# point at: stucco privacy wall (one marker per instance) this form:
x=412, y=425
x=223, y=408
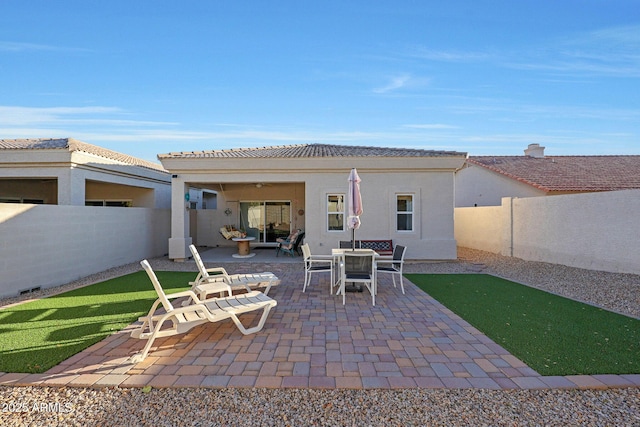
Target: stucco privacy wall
x=49, y=245
x=597, y=231
x=480, y=228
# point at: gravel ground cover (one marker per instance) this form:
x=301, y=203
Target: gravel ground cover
x=51, y=406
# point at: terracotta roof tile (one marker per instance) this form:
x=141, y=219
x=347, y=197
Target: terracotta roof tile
x=71, y=145
x=312, y=150
x=567, y=173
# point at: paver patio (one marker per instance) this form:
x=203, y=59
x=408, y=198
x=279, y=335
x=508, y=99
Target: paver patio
x=311, y=340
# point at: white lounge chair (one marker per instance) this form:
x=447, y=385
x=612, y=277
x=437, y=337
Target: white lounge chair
x=217, y=280
x=174, y=321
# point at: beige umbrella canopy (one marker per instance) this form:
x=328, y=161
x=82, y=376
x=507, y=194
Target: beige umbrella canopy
x=355, y=205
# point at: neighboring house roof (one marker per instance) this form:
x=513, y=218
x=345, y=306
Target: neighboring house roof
x=312, y=150
x=71, y=145
x=567, y=173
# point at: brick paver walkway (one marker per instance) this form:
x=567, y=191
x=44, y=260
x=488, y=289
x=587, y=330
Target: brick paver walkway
x=312, y=340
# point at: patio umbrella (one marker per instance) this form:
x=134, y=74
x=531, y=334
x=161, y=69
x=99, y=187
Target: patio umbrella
x=355, y=205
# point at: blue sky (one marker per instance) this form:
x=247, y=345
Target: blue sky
x=483, y=77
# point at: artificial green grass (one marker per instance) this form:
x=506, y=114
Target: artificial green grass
x=551, y=334
x=38, y=335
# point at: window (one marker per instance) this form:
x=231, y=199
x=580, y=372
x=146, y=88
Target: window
x=266, y=220
x=111, y=203
x=335, y=212
x=404, y=212
x=28, y=201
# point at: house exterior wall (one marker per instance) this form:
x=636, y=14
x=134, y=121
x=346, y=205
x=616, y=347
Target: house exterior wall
x=139, y=196
x=72, y=171
x=478, y=186
x=430, y=180
x=211, y=220
x=39, y=189
x=49, y=245
x=596, y=231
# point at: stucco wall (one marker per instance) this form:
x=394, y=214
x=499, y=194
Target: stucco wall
x=48, y=245
x=480, y=228
x=145, y=187
x=432, y=236
x=477, y=186
x=597, y=231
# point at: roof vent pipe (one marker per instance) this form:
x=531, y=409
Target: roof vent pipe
x=534, y=150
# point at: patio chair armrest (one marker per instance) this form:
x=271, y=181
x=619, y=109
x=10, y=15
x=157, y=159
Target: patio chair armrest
x=322, y=257
x=211, y=287
x=218, y=271
x=189, y=293
x=388, y=261
x=314, y=260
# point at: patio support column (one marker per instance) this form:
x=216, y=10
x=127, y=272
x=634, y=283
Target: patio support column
x=180, y=239
x=71, y=187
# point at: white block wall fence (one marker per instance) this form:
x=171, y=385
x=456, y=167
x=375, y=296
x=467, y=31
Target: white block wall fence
x=596, y=231
x=48, y=245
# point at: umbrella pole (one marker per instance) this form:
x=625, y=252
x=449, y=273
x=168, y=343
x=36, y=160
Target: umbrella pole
x=353, y=239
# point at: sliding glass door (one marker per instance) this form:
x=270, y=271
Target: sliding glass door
x=266, y=220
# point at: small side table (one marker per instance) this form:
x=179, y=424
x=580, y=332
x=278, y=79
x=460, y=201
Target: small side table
x=244, y=251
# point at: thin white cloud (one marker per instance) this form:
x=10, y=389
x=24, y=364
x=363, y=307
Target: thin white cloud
x=449, y=139
x=430, y=126
x=612, y=52
x=395, y=83
x=94, y=115
x=8, y=46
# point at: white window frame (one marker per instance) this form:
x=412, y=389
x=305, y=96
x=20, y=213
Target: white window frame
x=328, y=213
x=127, y=202
x=411, y=212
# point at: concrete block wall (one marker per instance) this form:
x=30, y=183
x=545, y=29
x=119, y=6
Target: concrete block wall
x=597, y=231
x=49, y=245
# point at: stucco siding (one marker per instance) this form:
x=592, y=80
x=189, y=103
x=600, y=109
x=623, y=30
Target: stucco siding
x=476, y=186
x=480, y=228
x=597, y=231
x=48, y=245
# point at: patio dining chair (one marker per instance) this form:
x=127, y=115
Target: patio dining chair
x=164, y=319
x=358, y=267
x=316, y=264
x=393, y=265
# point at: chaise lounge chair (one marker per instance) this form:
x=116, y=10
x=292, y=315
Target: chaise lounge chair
x=217, y=280
x=174, y=321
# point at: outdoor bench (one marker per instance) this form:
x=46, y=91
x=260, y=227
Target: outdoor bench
x=383, y=247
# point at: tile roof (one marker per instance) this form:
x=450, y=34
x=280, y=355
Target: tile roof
x=313, y=150
x=567, y=173
x=72, y=145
